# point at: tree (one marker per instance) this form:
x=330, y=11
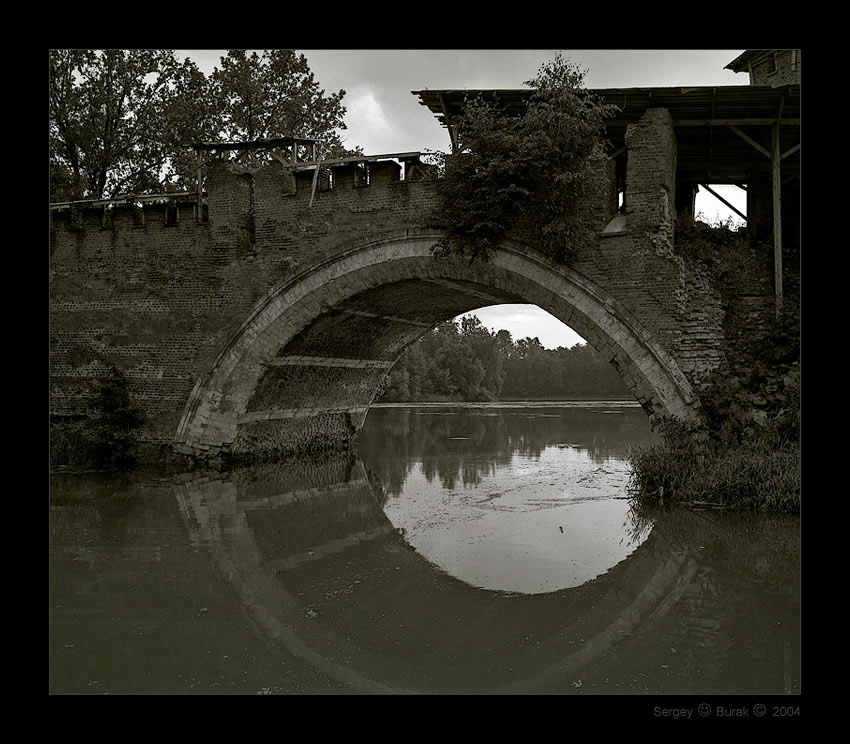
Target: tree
x=463, y=360
x=525, y=170
x=110, y=130
x=274, y=95
x=118, y=420
x=121, y=120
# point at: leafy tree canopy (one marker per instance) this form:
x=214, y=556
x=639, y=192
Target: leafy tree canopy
x=464, y=360
x=120, y=120
x=275, y=94
x=525, y=171
x=108, y=130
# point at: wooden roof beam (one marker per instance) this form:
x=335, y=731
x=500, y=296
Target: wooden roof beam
x=306, y=164
x=726, y=180
x=449, y=125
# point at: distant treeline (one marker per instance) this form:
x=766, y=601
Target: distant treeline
x=464, y=361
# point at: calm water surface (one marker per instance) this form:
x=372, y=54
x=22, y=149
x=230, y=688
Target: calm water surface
x=460, y=550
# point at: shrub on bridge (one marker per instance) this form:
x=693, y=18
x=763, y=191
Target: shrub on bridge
x=525, y=171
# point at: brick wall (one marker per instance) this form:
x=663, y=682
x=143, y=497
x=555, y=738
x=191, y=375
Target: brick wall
x=160, y=300
x=780, y=68
x=166, y=299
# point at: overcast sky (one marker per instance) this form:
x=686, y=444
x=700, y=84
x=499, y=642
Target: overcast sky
x=383, y=116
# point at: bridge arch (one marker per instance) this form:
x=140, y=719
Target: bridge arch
x=304, y=367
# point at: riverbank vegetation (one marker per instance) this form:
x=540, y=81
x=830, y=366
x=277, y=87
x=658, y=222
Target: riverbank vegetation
x=744, y=451
x=462, y=360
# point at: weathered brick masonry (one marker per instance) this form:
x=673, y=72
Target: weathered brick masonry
x=271, y=327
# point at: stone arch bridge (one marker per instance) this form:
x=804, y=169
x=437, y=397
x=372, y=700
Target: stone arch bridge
x=266, y=319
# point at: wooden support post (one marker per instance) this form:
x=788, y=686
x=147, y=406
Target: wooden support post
x=315, y=182
x=451, y=127
x=776, y=166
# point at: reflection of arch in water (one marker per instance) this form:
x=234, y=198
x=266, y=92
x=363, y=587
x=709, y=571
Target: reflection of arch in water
x=306, y=365
x=406, y=626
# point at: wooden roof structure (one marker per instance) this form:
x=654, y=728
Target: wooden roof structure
x=724, y=134
x=260, y=144
x=721, y=131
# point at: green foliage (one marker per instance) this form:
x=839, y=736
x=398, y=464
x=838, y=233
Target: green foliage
x=724, y=246
x=525, y=170
x=757, y=402
x=120, y=119
x=687, y=464
x=274, y=94
x=117, y=421
x=105, y=440
x=464, y=361
x=108, y=127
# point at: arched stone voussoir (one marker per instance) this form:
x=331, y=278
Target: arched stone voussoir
x=302, y=370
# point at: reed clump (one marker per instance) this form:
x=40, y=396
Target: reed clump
x=687, y=465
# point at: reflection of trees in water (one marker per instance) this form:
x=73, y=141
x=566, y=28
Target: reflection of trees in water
x=458, y=445
x=454, y=447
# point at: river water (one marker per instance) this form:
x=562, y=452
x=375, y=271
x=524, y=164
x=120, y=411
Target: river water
x=461, y=549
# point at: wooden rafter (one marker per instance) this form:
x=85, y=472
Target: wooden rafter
x=315, y=181
x=451, y=127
